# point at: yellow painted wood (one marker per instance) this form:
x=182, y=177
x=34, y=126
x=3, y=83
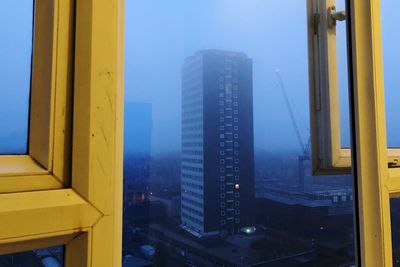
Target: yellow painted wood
x=98, y=121
x=26, y=183
x=18, y=165
x=52, y=84
x=64, y=90
x=96, y=124
x=77, y=47
x=324, y=93
x=78, y=252
x=370, y=134
x=393, y=155
x=393, y=183
x=43, y=82
x=24, y=216
x=342, y=160
x=100, y=234
x=332, y=84
x=328, y=156
x=32, y=244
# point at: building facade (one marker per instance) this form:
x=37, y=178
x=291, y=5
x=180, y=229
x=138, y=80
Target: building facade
x=217, y=169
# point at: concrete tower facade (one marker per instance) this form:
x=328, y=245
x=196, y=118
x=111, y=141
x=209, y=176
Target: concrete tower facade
x=217, y=169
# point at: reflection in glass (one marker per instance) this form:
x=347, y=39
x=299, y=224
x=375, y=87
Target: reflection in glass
x=47, y=257
x=395, y=224
x=217, y=164
x=391, y=59
x=343, y=82
x=16, y=19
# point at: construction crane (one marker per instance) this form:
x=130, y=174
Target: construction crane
x=305, y=148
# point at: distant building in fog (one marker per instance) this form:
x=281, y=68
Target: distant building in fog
x=217, y=169
x=171, y=202
x=137, y=142
x=138, y=126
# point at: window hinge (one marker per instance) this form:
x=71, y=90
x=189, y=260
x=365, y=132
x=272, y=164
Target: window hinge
x=334, y=16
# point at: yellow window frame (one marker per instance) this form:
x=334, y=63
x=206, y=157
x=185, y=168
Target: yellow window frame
x=68, y=189
x=46, y=166
x=328, y=156
x=376, y=181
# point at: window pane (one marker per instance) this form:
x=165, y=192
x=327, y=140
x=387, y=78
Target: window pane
x=48, y=257
x=16, y=19
x=395, y=221
x=391, y=59
x=217, y=164
x=343, y=82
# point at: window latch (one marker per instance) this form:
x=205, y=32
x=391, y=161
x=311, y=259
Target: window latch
x=334, y=16
x=394, y=163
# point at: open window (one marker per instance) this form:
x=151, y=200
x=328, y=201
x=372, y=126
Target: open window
x=330, y=154
x=373, y=162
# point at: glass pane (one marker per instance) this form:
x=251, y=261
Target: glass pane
x=343, y=82
x=217, y=166
x=16, y=20
x=391, y=58
x=48, y=257
x=395, y=221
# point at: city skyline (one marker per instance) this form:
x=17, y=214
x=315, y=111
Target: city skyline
x=213, y=173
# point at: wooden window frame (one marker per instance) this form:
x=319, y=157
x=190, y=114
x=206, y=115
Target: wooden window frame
x=85, y=213
x=68, y=189
x=376, y=181
x=47, y=165
x=328, y=155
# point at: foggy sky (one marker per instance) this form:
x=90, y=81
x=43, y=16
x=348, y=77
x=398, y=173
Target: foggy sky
x=15, y=64
x=160, y=34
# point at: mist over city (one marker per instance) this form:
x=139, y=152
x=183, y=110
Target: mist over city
x=217, y=168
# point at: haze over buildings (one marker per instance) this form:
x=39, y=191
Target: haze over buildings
x=137, y=142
